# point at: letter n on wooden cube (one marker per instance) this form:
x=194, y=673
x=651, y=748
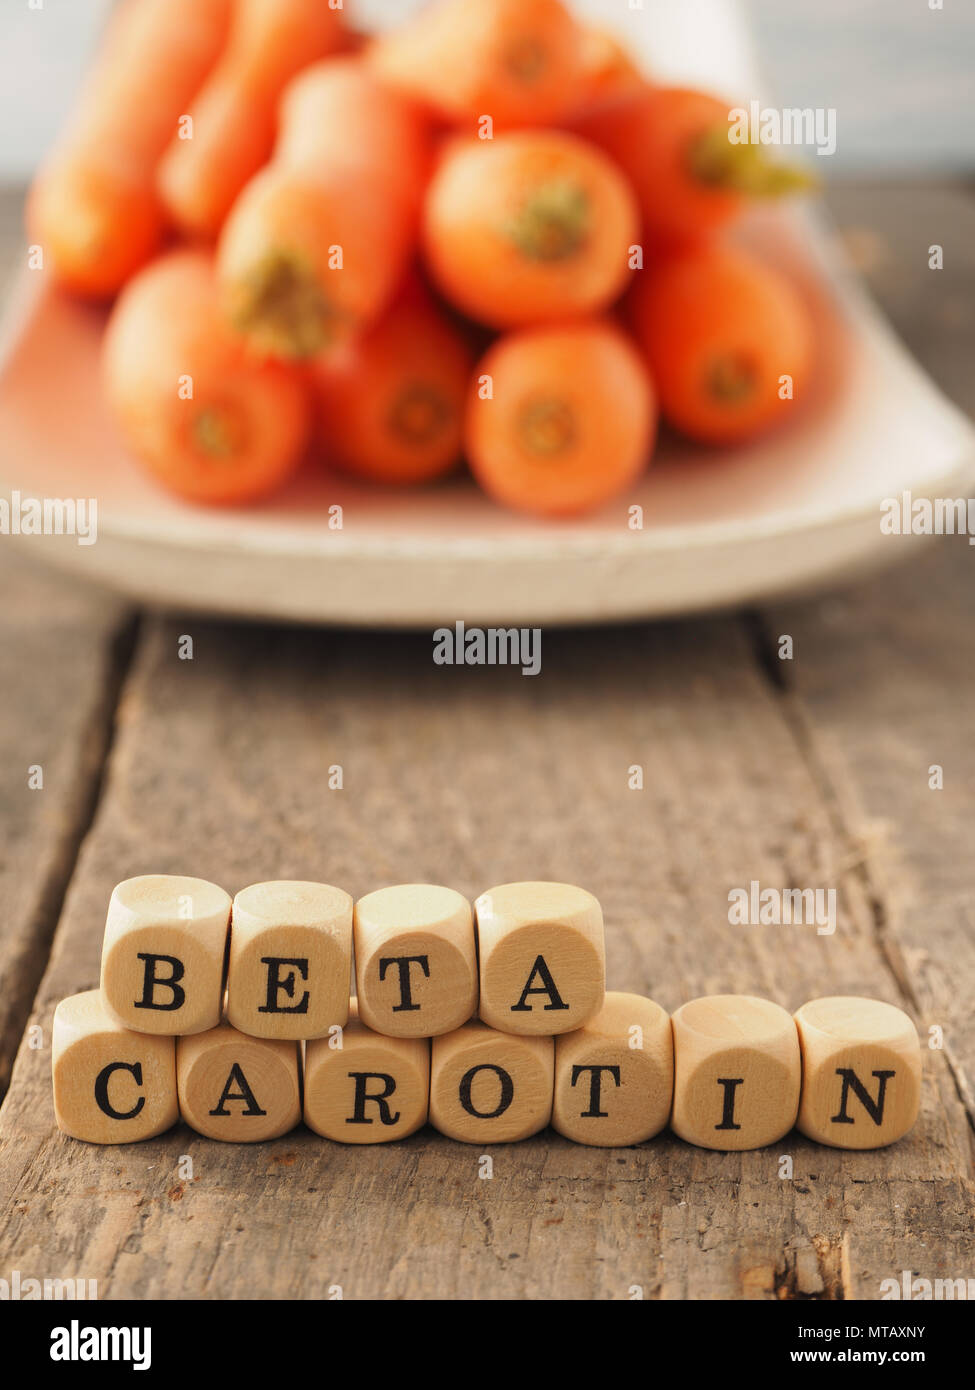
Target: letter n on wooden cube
x=239, y=1089
x=363, y=1088
x=488, y=1087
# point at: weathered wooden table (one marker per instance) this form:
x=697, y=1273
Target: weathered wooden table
x=813, y=772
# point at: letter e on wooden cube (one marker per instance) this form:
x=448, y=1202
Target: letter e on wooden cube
x=236, y=1088
x=368, y=1091
x=488, y=1087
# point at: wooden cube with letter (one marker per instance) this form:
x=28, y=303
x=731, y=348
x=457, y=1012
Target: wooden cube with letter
x=236, y=1088
x=488, y=1087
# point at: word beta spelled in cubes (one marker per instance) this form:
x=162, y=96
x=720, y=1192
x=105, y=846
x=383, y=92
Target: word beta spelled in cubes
x=489, y=1024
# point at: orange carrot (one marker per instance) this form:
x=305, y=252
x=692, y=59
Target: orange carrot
x=517, y=61
x=721, y=331
x=609, y=74
x=569, y=422
x=529, y=226
x=206, y=421
x=235, y=112
x=673, y=145
x=317, y=243
x=391, y=407
x=93, y=208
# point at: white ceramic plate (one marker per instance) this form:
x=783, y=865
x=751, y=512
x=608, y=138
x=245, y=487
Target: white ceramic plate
x=720, y=528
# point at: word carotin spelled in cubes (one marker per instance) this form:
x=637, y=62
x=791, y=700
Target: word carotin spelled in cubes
x=237, y=1088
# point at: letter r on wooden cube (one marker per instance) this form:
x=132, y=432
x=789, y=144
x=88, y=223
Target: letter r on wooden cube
x=290, y=959
x=369, y=1090
x=239, y=1089
x=542, y=957
x=737, y=1072
x=861, y=1064
x=416, y=967
x=488, y=1087
x=163, y=954
x=111, y=1086
x=614, y=1077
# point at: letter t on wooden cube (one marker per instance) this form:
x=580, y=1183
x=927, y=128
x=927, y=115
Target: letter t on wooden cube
x=163, y=954
x=416, y=967
x=861, y=1064
x=737, y=1072
x=111, y=1086
x=290, y=960
x=542, y=957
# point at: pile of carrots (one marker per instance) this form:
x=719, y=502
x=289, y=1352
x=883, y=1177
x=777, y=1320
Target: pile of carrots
x=484, y=236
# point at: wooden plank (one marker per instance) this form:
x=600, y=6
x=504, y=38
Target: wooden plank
x=471, y=776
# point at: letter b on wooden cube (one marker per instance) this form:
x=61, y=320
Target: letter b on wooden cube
x=488, y=1087
x=737, y=1072
x=162, y=958
x=861, y=1064
x=542, y=956
x=111, y=1086
x=239, y=1089
x=369, y=1090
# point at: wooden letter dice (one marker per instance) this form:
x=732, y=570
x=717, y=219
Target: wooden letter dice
x=290, y=960
x=370, y=1090
x=162, y=958
x=111, y=1086
x=416, y=967
x=861, y=1063
x=488, y=1087
x=542, y=957
x=237, y=1088
x=737, y=1072
x=614, y=1077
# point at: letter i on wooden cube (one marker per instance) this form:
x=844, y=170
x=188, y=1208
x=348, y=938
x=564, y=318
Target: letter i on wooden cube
x=614, y=1077
x=861, y=1063
x=163, y=954
x=416, y=966
x=290, y=960
x=111, y=1086
x=488, y=1087
x=542, y=957
x=236, y=1088
x=737, y=1072
x=364, y=1088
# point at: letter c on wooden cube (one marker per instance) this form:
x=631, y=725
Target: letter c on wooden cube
x=239, y=1089
x=111, y=1086
x=162, y=957
x=737, y=1072
x=542, y=957
x=488, y=1087
x=290, y=959
x=368, y=1091
x=861, y=1064
x=416, y=967
x=614, y=1077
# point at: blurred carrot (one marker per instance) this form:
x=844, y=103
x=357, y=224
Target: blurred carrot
x=517, y=61
x=609, y=74
x=391, y=407
x=93, y=207
x=235, y=112
x=529, y=226
x=210, y=424
x=691, y=179
x=317, y=242
x=569, y=422
x=720, y=331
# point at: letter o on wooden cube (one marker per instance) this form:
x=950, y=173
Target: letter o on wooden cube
x=737, y=1072
x=614, y=1077
x=416, y=967
x=163, y=954
x=861, y=1063
x=369, y=1091
x=239, y=1089
x=488, y=1087
x=111, y=1086
x=542, y=957
x=290, y=959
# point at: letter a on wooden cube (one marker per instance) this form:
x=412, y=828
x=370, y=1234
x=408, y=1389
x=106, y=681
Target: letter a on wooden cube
x=861, y=1063
x=614, y=1077
x=416, y=967
x=542, y=957
x=237, y=1088
x=488, y=1087
x=369, y=1090
x=737, y=1072
x=111, y=1086
x=162, y=958
x=290, y=960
